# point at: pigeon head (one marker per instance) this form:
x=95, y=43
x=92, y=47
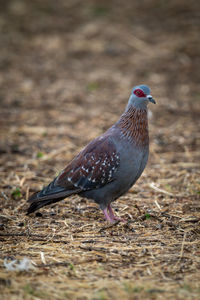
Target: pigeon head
x=140, y=96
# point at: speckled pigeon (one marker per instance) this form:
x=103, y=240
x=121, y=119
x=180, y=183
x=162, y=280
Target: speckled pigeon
x=109, y=165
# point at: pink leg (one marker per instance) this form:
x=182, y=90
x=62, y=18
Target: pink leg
x=112, y=215
x=107, y=216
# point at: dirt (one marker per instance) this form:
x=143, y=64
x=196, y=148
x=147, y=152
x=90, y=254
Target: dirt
x=66, y=72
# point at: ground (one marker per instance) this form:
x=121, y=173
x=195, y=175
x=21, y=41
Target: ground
x=66, y=72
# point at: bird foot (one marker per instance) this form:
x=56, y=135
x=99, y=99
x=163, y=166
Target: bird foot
x=111, y=217
x=115, y=218
x=107, y=216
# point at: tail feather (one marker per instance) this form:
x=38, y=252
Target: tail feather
x=40, y=203
x=49, y=195
x=48, y=190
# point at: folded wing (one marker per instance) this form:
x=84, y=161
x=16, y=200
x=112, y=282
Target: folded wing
x=94, y=167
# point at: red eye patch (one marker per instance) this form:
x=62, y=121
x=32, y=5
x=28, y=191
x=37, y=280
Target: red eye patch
x=139, y=93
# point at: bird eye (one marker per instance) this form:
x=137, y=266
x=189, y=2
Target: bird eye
x=139, y=93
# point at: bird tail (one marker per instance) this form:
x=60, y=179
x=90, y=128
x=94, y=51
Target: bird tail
x=50, y=194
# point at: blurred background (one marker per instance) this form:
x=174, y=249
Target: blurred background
x=66, y=72
x=72, y=64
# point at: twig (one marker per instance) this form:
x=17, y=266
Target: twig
x=5, y=217
x=4, y=195
x=136, y=206
x=109, y=226
x=66, y=264
x=36, y=237
x=43, y=257
x=157, y=204
x=91, y=248
x=182, y=246
x=152, y=185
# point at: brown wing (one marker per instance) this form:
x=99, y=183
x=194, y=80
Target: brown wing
x=94, y=167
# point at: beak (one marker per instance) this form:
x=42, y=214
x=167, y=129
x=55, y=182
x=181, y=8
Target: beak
x=150, y=98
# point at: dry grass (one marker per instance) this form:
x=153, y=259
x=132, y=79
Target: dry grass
x=67, y=70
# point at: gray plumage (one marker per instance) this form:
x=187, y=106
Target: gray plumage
x=109, y=165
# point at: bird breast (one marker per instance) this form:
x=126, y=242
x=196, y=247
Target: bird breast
x=133, y=127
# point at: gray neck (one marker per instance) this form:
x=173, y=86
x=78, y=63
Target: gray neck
x=132, y=102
